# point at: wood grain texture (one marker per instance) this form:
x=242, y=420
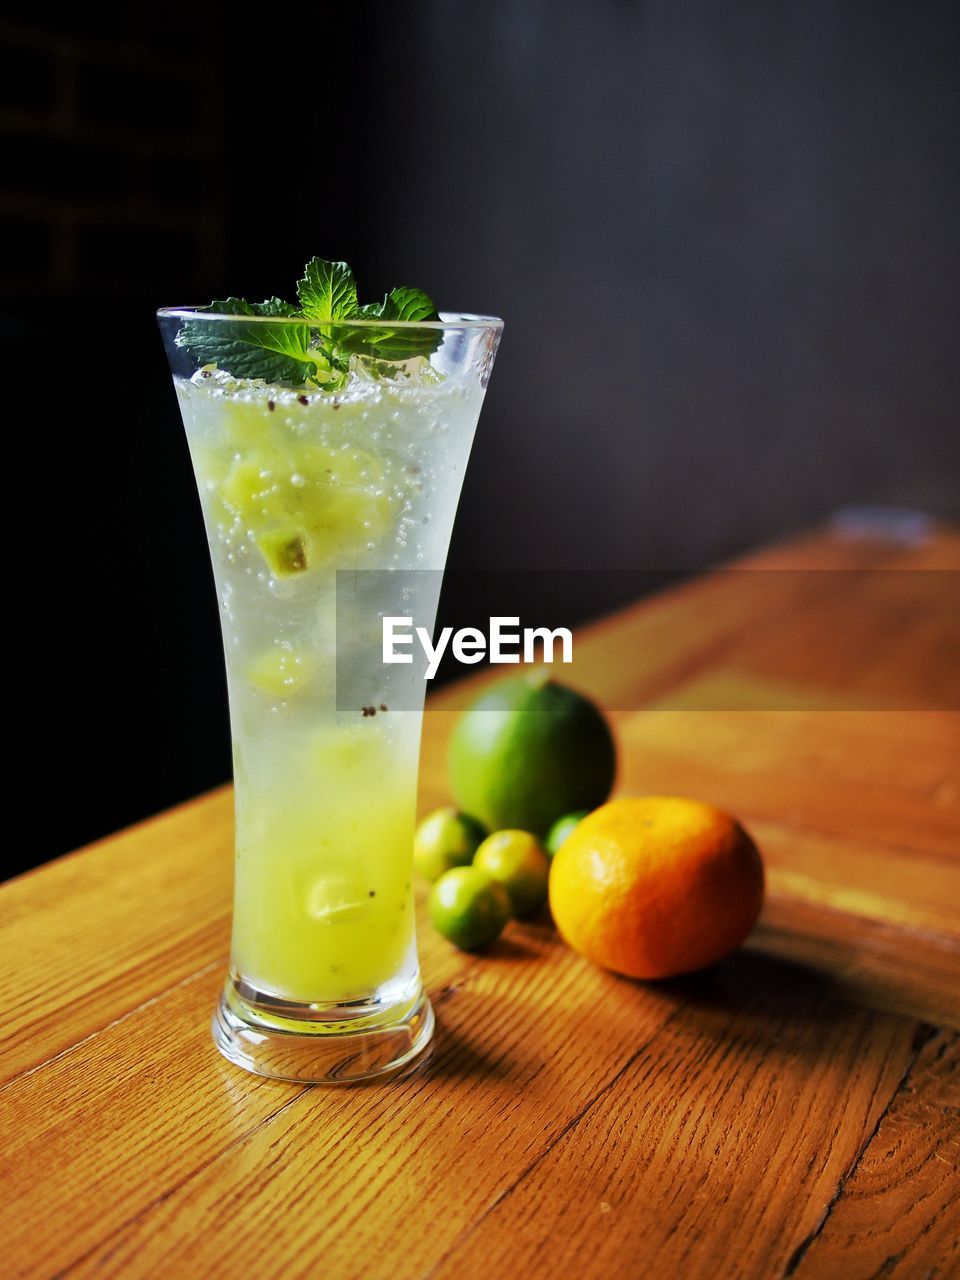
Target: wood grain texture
x=788, y=1112
x=885, y=777
x=381, y=1178
x=144, y=1104
x=758, y=1051
x=898, y=1214
x=93, y=935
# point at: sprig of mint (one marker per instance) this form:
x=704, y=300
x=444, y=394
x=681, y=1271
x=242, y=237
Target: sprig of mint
x=327, y=291
x=317, y=353
x=278, y=353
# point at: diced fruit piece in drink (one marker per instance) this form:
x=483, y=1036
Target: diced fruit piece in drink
x=516, y=860
x=340, y=898
x=468, y=908
x=279, y=672
x=307, y=500
x=327, y=464
x=345, y=498
x=445, y=839
x=249, y=491
x=344, y=518
x=284, y=550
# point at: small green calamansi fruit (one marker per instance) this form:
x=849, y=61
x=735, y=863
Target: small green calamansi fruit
x=562, y=828
x=445, y=839
x=468, y=908
x=516, y=860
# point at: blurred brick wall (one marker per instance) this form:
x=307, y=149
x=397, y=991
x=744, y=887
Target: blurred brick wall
x=112, y=179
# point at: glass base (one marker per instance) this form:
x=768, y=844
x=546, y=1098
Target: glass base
x=320, y=1044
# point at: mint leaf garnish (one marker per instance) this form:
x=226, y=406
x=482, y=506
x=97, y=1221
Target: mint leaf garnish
x=317, y=352
x=396, y=344
x=327, y=291
x=274, y=352
x=408, y=304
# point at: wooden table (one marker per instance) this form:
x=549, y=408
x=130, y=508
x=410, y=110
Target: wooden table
x=791, y=1112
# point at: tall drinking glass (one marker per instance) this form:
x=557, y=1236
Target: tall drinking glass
x=302, y=487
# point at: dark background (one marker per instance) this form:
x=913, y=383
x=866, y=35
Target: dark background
x=723, y=237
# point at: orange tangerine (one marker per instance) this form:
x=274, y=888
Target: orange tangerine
x=655, y=886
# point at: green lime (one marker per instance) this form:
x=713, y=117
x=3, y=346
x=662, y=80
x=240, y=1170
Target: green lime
x=468, y=908
x=516, y=860
x=527, y=751
x=562, y=828
x=445, y=839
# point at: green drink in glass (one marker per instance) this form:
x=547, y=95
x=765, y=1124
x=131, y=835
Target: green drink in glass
x=323, y=445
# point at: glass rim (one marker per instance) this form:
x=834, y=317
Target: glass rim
x=448, y=320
